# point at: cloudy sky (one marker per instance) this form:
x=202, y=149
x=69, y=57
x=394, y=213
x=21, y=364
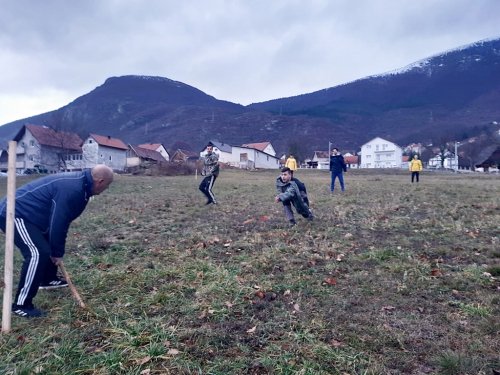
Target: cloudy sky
x=244, y=51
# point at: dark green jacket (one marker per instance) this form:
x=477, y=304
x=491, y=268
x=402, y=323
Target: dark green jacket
x=289, y=192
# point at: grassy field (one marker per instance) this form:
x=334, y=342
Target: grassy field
x=390, y=278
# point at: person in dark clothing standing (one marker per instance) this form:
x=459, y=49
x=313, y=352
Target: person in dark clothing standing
x=292, y=191
x=45, y=209
x=337, y=165
x=211, y=172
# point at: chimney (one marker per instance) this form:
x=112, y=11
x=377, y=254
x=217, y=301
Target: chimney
x=109, y=137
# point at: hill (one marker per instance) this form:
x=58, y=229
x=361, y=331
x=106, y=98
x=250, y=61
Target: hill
x=455, y=93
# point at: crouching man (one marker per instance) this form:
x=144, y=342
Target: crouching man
x=45, y=209
x=292, y=191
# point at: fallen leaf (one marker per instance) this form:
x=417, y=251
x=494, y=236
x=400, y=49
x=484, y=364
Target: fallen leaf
x=339, y=257
x=199, y=275
x=202, y=315
x=436, y=272
x=454, y=291
x=228, y=304
x=296, y=307
x=200, y=244
x=287, y=292
x=145, y=372
x=331, y=281
x=389, y=308
x=227, y=244
x=264, y=218
x=240, y=279
x=420, y=310
x=249, y=221
x=144, y=360
x=166, y=343
x=422, y=256
x=173, y=352
x=38, y=369
x=260, y=294
x=348, y=235
x=252, y=330
x=313, y=261
x=335, y=342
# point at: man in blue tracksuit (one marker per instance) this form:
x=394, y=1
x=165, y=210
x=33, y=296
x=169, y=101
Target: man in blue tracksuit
x=45, y=209
x=337, y=165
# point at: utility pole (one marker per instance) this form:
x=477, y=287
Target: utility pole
x=456, y=156
x=212, y=116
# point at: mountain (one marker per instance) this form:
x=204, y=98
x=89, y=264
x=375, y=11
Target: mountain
x=455, y=93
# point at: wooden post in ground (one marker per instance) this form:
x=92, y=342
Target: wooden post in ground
x=9, y=238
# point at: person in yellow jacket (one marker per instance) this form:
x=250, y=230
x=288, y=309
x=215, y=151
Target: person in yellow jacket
x=291, y=163
x=415, y=168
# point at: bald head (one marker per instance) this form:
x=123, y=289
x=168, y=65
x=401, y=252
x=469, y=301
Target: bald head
x=102, y=176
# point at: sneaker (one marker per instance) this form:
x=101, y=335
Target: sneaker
x=27, y=311
x=311, y=215
x=208, y=202
x=54, y=284
x=292, y=223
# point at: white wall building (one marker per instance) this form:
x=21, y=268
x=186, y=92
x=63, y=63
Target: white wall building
x=98, y=149
x=250, y=158
x=266, y=147
x=321, y=160
x=380, y=153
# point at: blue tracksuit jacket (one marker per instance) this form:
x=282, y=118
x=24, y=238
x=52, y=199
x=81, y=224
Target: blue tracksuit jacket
x=52, y=203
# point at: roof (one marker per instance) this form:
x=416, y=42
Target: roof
x=150, y=146
x=224, y=147
x=109, y=142
x=146, y=153
x=49, y=137
x=322, y=154
x=189, y=154
x=385, y=140
x=351, y=159
x=406, y=158
x=258, y=146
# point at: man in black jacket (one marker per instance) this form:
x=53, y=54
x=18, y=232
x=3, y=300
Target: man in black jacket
x=45, y=209
x=337, y=165
x=292, y=191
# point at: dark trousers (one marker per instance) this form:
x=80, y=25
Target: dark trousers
x=287, y=207
x=206, y=187
x=413, y=175
x=37, y=265
x=341, y=179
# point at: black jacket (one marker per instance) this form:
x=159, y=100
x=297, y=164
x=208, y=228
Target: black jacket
x=337, y=164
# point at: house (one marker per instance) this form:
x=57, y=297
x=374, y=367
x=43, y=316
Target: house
x=137, y=155
x=247, y=157
x=182, y=156
x=44, y=148
x=265, y=147
x=380, y=153
x=320, y=160
x=223, y=150
x=414, y=148
x=157, y=147
x=447, y=163
x=351, y=161
x=98, y=149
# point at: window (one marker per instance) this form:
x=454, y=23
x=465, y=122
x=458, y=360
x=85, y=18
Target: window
x=384, y=147
x=368, y=165
x=90, y=141
x=378, y=156
x=32, y=143
x=368, y=146
x=109, y=157
x=102, y=156
x=22, y=144
x=368, y=156
x=268, y=158
x=32, y=158
x=376, y=147
x=388, y=155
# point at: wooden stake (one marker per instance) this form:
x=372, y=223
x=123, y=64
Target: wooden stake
x=9, y=237
x=71, y=286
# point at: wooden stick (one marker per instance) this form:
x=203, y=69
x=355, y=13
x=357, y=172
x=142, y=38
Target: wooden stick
x=71, y=286
x=9, y=237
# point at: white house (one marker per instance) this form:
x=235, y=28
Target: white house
x=250, y=158
x=321, y=160
x=223, y=150
x=157, y=147
x=449, y=161
x=266, y=147
x=351, y=161
x=380, y=153
x=98, y=149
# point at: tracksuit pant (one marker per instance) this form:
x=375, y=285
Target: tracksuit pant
x=413, y=175
x=206, y=187
x=341, y=179
x=287, y=207
x=37, y=265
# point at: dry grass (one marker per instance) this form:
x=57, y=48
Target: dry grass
x=391, y=278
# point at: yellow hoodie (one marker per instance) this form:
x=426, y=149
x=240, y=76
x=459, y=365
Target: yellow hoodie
x=291, y=163
x=416, y=165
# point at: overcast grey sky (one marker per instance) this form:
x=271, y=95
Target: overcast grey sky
x=244, y=51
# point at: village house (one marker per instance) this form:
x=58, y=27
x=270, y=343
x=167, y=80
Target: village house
x=157, y=147
x=98, y=149
x=265, y=147
x=351, y=161
x=320, y=160
x=380, y=153
x=223, y=151
x=42, y=148
x=137, y=155
x=183, y=156
x=248, y=157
